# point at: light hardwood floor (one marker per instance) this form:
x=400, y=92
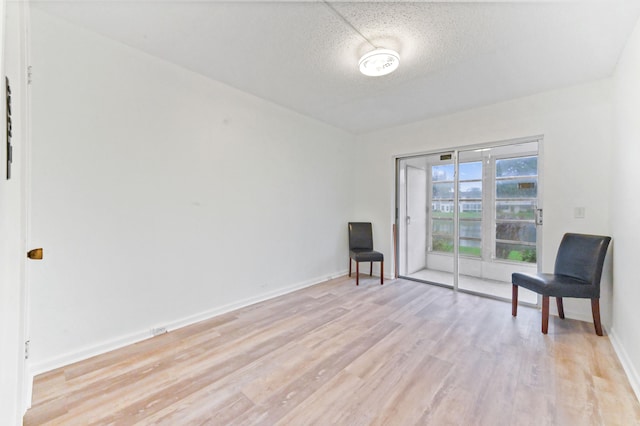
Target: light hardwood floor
x=335, y=354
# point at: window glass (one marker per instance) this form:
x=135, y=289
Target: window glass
x=516, y=189
x=522, y=166
x=470, y=190
x=470, y=229
x=443, y=227
x=521, y=209
x=471, y=171
x=442, y=209
x=470, y=247
x=516, y=231
x=517, y=252
x=443, y=191
x=441, y=173
x=442, y=244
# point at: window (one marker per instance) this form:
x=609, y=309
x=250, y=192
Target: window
x=469, y=208
x=516, y=184
x=442, y=208
x=515, y=180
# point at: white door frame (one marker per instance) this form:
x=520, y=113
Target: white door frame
x=16, y=380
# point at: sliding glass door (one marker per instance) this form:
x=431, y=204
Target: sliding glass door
x=468, y=219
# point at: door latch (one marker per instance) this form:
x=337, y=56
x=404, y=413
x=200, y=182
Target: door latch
x=538, y=216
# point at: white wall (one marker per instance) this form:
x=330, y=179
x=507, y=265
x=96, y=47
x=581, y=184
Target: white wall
x=13, y=385
x=161, y=197
x=576, y=124
x=626, y=208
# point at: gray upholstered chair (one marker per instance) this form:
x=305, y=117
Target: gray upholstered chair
x=361, y=249
x=577, y=273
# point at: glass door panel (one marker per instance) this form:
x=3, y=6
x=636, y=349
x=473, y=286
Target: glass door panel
x=498, y=190
x=425, y=218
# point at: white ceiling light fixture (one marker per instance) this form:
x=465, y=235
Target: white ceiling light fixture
x=379, y=62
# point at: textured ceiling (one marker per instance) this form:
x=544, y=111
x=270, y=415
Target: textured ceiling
x=304, y=56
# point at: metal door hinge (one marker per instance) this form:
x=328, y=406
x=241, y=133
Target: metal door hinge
x=27, y=344
x=29, y=74
x=538, y=216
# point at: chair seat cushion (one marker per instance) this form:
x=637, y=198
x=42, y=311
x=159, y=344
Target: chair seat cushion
x=555, y=285
x=364, y=255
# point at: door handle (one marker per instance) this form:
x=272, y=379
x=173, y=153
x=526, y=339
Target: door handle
x=35, y=254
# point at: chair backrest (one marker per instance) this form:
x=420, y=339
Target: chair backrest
x=360, y=235
x=582, y=256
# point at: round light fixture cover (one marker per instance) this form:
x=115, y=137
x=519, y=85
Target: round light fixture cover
x=379, y=62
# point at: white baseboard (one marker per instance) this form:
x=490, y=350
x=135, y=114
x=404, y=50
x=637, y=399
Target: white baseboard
x=87, y=352
x=625, y=360
x=138, y=336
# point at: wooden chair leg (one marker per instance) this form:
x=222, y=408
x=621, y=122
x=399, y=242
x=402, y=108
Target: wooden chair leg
x=357, y=273
x=595, y=310
x=370, y=269
x=349, y=266
x=545, y=314
x=514, y=300
x=560, y=307
x=381, y=272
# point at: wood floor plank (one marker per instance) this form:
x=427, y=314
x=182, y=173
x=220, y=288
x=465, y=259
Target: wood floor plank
x=400, y=354
x=326, y=403
x=309, y=381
